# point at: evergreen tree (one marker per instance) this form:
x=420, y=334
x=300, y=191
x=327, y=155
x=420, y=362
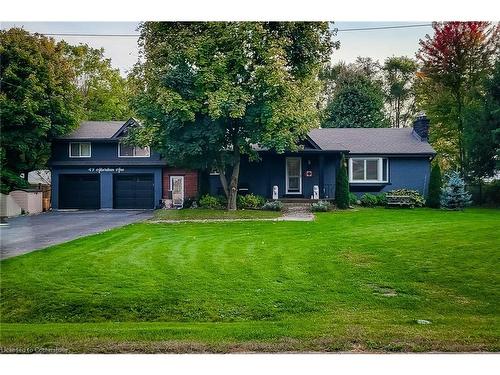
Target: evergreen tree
x=453, y=194
x=433, y=197
x=342, y=186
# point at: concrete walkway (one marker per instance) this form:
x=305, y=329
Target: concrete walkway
x=298, y=212
x=24, y=234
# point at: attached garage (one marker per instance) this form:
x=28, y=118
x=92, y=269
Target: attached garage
x=133, y=191
x=79, y=191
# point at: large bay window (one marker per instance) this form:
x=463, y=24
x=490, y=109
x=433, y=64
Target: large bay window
x=126, y=151
x=363, y=170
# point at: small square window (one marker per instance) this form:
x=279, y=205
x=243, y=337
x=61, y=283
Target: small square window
x=132, y=151
x=79, y=150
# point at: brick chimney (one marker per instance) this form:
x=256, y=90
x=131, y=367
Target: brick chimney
x=421, y=126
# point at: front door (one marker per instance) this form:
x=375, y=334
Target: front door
x=177, y=187
x=294, y=175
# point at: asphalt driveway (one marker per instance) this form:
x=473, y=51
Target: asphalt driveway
x=24, y=234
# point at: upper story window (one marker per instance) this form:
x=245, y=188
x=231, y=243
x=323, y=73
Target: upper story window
x=80, y=150
x=368, y=170
x=126, y=151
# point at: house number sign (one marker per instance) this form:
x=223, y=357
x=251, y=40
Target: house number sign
x=99, y=170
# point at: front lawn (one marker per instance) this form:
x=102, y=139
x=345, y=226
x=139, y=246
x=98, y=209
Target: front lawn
x=354, y=280
x=205, y=214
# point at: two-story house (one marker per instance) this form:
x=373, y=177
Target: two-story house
x=92, y=169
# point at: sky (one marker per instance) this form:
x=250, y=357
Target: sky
x=123, y=51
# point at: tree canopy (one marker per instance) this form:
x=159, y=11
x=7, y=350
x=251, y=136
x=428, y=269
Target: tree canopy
x=104, y=92
x=208, y=92
x=38, y=101
x=357, y=97
x=455, y=62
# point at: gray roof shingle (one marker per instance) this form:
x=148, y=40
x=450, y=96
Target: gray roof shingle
x=95, y=130
x=371, y=140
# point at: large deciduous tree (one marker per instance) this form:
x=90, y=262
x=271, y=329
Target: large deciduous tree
x=38, y=101
x=104, y=92
x=399, y=75
x=208, y=93
x=357, y=97
x=455, y=61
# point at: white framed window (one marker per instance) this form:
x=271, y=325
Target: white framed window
x=126, y=151
x=294, y=175
x=80, y=150
x=365, y=170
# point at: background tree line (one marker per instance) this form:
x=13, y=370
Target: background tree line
x=46, y=89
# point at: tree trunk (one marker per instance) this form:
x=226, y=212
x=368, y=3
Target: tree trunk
x=398, y=110
x=233, y=185
x=231, y=188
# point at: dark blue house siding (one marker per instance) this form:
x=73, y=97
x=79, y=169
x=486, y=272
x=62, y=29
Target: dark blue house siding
x=409, y=173
x=105, y=162
x=101, y=151
x=404, y=173
x=259, y=177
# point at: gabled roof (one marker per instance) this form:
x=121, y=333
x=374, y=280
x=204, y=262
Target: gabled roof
x=99, y=130
x=371, y=141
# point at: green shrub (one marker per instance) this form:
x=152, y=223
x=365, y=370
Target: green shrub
x=381, y=199
x=321, y=206
x=417, y=200
x=250, y=201
x=273, y=206
x=353, y=199
x=188, y=203
x=222, y=200
x=342, y=186
x=434, y=195
x=369, y=200
x=211, y=202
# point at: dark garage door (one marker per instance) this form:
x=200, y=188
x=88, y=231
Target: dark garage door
x=79, y=191
x=133, y=191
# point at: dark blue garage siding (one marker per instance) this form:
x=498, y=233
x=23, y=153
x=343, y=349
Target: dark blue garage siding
x=107, y=183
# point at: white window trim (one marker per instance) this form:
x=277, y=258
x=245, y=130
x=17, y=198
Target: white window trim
x=134, y=156
x=300, y=176
x=380, y=170
x=80, y=149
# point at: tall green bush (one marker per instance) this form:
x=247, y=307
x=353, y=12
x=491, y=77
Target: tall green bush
x=342, y=186
x=434, y=195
